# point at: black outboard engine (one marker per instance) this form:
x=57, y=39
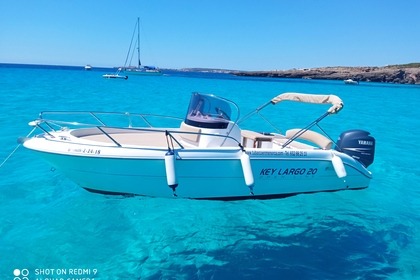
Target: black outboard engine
x=357, y=144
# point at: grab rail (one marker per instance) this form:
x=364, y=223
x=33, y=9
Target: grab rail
x=53, y=124
x=96, y=115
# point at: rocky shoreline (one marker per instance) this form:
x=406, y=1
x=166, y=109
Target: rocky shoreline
x=388, y=74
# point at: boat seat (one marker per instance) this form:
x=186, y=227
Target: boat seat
x=311, y=136
x=280, y=140
x=192, y=135
x=256, y=137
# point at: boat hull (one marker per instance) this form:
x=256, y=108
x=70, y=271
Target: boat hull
x=202, y=173
x=142, y=73
x=114, y=76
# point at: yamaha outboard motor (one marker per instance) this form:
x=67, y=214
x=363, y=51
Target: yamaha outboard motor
x=357, y=144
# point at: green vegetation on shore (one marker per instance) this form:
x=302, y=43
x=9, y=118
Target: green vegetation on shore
x=407, y=65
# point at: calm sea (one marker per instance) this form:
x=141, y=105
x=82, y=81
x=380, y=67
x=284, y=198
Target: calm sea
x=52, y=229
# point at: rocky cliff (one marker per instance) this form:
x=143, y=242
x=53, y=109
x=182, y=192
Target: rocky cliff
x=400, y=74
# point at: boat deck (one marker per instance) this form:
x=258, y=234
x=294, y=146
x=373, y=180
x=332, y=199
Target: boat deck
x=155, y=139
x=249, y=139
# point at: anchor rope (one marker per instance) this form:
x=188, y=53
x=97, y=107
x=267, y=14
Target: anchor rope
x=15, y=149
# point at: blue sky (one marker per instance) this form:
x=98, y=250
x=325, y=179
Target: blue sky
x=228, y=34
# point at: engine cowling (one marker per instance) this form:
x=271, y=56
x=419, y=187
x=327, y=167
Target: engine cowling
x=358, y=144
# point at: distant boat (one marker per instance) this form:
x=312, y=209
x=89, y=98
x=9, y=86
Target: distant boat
x=351, y=82
x=139, y=69
x=88, y=67
x=116, y=75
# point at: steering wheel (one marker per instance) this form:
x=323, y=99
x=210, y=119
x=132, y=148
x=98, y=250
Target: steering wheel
x=222, y=113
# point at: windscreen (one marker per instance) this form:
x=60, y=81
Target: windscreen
x=208, y=111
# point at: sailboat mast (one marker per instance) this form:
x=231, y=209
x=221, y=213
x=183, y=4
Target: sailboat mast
x=138, y=41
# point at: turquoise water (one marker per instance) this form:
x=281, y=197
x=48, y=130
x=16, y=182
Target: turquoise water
x=51, y=228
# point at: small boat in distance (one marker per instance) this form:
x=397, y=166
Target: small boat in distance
x=116, y=75
x=351, y=82
x=138, y=69
x=88, y=67
x=208, y=154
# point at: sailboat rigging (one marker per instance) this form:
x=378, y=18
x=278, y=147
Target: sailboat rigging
x=139, y=69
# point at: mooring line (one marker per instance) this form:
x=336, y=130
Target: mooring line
x=15, y=149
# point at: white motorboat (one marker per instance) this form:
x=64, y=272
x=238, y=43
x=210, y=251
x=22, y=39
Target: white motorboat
x=114, y=76
x=351, y=82
x=206, y=155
